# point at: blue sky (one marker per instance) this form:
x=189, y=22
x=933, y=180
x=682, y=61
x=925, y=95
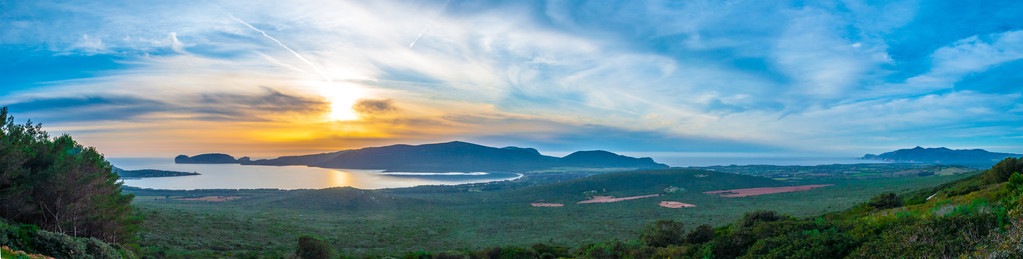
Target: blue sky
x=266, y=78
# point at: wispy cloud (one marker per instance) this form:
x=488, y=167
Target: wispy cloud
x=293, y=52
x=795, y=75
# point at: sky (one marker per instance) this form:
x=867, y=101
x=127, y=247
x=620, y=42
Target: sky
x=270, y=78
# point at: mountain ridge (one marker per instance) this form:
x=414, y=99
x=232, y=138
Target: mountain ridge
x=456, y=156
x=942, y=155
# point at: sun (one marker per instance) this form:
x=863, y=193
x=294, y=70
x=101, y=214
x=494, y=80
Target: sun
x=342, y=97
x=341, y=109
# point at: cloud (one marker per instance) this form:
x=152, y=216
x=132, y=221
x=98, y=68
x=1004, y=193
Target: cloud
x=785, y=74
x=374, y=107
x=266, y=106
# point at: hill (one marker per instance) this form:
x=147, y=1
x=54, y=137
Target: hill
x=457, y=156
x=969, y=157
x=212, y=158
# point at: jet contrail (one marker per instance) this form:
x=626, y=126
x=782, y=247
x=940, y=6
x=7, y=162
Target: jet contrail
x=417, y=39
x=325, y=77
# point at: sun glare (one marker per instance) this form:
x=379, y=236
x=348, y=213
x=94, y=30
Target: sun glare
x=342, y=97
x=341, y=109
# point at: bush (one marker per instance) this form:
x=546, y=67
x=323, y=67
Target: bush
x=751, y=218
x=805, y=244
x=702, y=234
x=941, y=237
x=885, y=201
x=1003, y=170
x=58, y=245
x=310, y=247
x=555, y=251
x=98, y=249
x=451, y=255
x=664, y=233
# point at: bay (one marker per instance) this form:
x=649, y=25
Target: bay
x=235, y=176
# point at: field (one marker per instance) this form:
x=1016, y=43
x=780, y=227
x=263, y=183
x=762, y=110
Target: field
x=476, y=216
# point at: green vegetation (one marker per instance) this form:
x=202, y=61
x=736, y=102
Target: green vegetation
x=67, y=190
x=63, y=200
x=455, y=220
x=310, y=247
x=62, y=187
x=841, y=171
x=150, y=173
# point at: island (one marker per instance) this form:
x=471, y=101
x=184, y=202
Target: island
x=145, y=173
x=977, y=158
x=455, y=156
x=211, y=158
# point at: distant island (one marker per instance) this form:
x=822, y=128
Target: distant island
x=145, y=173
x=212, y=158
x=453, y=156
x=978, y=158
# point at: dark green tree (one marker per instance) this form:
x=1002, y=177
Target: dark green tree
x=702, y=234
x=753, y=217
x=885, y=201
x=1001, y=171
x=60, y=185
x=664, y=233
x=311, y=247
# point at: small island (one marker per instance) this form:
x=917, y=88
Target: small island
x=146, y=173
x=211, y=158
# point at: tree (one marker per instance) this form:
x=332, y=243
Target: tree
x=885, y=201
x=60, y=185
x=702, y=234
x=753, y=217
x=310, y=247
x=664, y=233
x=1001, y=171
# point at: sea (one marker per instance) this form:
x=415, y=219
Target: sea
x=235, y=176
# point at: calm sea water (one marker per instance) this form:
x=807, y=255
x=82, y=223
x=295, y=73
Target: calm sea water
x=235, y=176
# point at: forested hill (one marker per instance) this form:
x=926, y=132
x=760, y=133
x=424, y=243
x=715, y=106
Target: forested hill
x=458, y=156
x=978, y=158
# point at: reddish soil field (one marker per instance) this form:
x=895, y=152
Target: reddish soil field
x=211, y=198
x=538, y=204
x=606, y=199
x=765, y=190
x=675, y=204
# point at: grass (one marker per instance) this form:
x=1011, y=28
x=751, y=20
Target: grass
x=452, y=218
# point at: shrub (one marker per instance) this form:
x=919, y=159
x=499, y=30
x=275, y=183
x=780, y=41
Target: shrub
x=555, y=251
x=310, y=247
x=664, y=233
x=98, y=249
x=1001, y=171
x=885, y=201
x=451, y=255
x=490, y=253
x=751, y=218
x=702, y=234
x=58, y=245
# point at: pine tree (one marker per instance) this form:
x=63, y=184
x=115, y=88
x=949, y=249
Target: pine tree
x=60, y=185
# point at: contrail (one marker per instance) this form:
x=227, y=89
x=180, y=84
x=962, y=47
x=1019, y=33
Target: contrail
x=325, y=77
x=417, y=39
